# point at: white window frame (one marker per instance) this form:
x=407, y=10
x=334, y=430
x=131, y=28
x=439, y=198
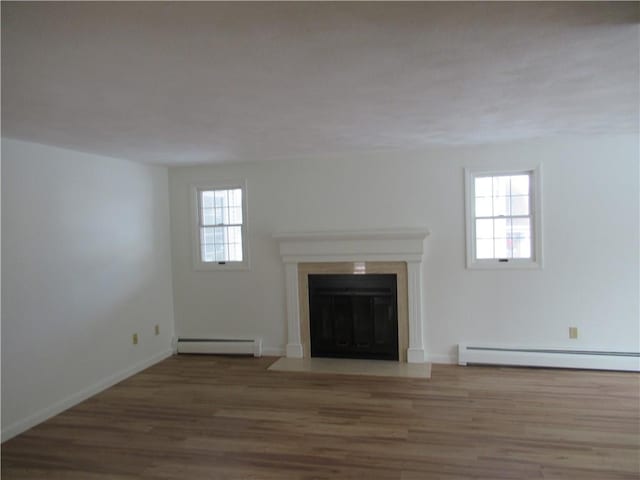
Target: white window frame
x=535, y=206
x=195, y=190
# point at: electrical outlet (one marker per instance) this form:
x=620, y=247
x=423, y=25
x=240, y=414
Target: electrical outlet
x=573, y=332
x=157, y=329
x=134, y=339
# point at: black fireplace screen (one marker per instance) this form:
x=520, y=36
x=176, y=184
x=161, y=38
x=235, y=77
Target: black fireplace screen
x=353, y=316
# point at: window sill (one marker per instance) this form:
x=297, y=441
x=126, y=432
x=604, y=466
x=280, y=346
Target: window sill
x=214, y=266
x=510, y=265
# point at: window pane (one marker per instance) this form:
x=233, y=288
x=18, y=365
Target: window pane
x=520, y=205
x=484, y=207
x=235, y=216
x=484, y=228
x=221, y=244
x=501, y=228
x=501, y=248
x=235, y=244
x=235, y=197
x=521, y=237
x=220, y=255
x=221, y=198
x=501, y=206
x=521, y=227
x=206, y=199
x=483, y=187
x=207, y=235
x=208, y=253
x=219, y=234
x=222, y=214
x=208, y=216
x=522, y=248
x=217, y=220
x=484, y=249
x=235, y=252
x=520, y=185
x=235, y=234
x=501, y=186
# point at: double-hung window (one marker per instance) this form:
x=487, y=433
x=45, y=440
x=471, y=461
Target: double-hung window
x=503, y=219
x=220, y=240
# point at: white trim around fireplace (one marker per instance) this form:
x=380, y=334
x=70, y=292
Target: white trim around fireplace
x=404, y=245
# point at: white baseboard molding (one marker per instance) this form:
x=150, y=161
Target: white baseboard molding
x=25, y=424
x=548, y=357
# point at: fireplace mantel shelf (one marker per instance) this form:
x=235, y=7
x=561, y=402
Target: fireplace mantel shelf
x=405, y=245
x=392, y=245
x=400, y=234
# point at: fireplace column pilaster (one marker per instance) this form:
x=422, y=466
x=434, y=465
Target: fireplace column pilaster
x=416, y=351
x=294, y=340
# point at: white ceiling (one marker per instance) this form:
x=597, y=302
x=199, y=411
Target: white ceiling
x=184, y=83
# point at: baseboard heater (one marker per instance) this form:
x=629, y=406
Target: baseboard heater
x=222, y=346
x=548, y=357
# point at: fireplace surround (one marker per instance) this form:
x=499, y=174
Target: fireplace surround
x=360, y=252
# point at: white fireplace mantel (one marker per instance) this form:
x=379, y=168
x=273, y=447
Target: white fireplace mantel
x=402, y=245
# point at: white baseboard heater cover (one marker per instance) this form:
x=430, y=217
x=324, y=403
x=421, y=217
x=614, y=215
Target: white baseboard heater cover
x=548, y=357
x=223, y=346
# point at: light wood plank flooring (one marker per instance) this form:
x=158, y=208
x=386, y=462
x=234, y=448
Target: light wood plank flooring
x=205, y=417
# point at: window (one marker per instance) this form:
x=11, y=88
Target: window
x=220, y=218
x=503, y=219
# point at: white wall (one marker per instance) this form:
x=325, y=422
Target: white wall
x=85, y=264
x=590, y=274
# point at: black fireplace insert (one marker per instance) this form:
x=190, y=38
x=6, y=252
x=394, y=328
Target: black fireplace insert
x=354, y=316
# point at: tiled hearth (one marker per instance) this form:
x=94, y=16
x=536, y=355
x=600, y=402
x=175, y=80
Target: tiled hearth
x=376, y=368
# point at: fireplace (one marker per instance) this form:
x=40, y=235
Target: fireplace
x=353, y=316
x=357, y=253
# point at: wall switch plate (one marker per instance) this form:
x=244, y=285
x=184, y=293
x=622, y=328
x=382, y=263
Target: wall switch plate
x=157, y=329
x=134, y=339
x=573, y=332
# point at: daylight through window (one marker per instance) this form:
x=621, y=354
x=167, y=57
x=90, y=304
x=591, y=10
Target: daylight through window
x=502, y=216
x=221, y=221
x=503, y=219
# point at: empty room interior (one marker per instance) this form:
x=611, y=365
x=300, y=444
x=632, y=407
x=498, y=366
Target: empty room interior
x=318, y=240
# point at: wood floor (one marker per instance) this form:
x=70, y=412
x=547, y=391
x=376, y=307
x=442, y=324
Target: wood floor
x=204, y=417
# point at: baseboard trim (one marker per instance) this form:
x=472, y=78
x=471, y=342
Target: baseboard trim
x=32, y=420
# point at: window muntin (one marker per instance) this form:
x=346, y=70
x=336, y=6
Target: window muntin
x=221, y=225
x=503, y=211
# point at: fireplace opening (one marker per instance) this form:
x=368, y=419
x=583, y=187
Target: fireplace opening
x=354, y=316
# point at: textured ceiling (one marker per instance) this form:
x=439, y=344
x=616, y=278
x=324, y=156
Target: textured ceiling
x=184, y=83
